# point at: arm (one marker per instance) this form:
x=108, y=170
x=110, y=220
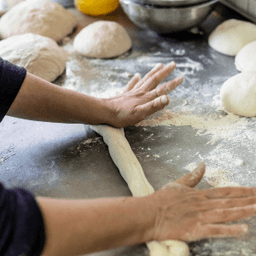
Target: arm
x=43, y=101
x=86, y=226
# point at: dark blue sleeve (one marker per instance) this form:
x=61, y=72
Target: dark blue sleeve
x=21, y=224
x=11, y=79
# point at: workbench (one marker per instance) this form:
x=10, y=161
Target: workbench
x=72, y=161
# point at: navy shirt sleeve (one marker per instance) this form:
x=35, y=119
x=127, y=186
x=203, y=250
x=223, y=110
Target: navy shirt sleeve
x=21, y=223
x=11, y=79
x=22, y=231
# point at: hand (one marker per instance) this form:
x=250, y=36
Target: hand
x=188, y=214
x=141, y=97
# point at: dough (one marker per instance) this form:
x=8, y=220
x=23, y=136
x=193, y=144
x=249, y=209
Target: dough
x=102, y=39
x=245, y=59
x=11, y=3
x=132, y=172
x=39, y=17
x=40, y=55
x=231, y=36
x=238, y=94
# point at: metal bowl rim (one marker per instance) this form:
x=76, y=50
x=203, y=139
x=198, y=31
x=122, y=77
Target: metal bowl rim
x=170, y=4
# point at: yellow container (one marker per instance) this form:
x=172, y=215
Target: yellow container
x=96, y=7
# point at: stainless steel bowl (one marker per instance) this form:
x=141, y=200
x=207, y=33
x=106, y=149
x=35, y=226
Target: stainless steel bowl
x=166, y=19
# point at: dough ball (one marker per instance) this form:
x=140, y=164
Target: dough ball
x=38, y=17
x=238, y=94
x=245, y=59
x=11, y=3
x=40, y=55
x=102, y=39
x=231, y=36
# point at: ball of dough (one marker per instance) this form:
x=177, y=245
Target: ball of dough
x=238, y=94
x=245, y=59
x=38, y=17
x=102, y=39
x=40, y=55
x=231, y=36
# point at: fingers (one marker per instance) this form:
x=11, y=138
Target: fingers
x=158, y=67
x=167, y=87
x=156, y=76
x=226, y=203
x=228, y=192
x=153, y=106
x=132, y=82
x=193, y=178
x=227, y=215
x=218, y=231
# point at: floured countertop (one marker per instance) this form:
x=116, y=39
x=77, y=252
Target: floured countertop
x=72, y=161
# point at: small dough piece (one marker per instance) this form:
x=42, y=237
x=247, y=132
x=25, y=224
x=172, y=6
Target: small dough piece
x=231, y=36
x=40, y=55
x=102, y=39
x=245, y=59
x=238, y=94
x=38, y=17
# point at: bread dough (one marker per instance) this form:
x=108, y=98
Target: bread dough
x=40, y=55
x=245, y=59
x=238, y=94
x=11, y=3
x=231, y=36
x=132, y=172
x=102, y=39
x=39, y=17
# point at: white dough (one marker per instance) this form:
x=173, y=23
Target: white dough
x=102, y=39
x=245, y=59
x=40, y=55
x=231, y=36
x=238, y=94
x=38, y=17
x=132, y=172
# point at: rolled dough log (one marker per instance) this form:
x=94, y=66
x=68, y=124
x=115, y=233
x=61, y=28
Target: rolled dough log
x=245, y=59
x=38, y=17
x=40, y=55
x=102, y=39
x=231, y=36
x=238, y=94
x=132, y=172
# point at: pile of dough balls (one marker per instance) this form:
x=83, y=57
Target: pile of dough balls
x=31, y=29
x=238, y=38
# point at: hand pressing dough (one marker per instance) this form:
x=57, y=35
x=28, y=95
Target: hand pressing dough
x=40, y=55
x=245, y=59
x=238, y=94
x=38, y=17
x=132, y=172
x=231, y=36
x=102, y=39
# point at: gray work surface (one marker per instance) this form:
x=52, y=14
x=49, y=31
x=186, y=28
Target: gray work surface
x=71, y=161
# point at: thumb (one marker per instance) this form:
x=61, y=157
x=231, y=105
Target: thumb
x=193, y=178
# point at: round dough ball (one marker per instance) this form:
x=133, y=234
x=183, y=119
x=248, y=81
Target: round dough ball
x=38, y=17
x=245, y=59
x=41, y=56
x=238, y=94
x=231, y=36
x=102, y=39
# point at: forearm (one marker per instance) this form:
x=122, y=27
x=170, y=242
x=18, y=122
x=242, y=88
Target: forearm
x=42, y=101
x=85, y=226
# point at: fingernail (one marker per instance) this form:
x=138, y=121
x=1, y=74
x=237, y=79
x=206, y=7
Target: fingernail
x=245, y=228
x=178, y=79
x=138, y=75
x=164, y=99
x=158, y=65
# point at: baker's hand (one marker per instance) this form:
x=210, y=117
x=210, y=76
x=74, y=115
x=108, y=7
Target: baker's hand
x=142, y=97
x=187, y=214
